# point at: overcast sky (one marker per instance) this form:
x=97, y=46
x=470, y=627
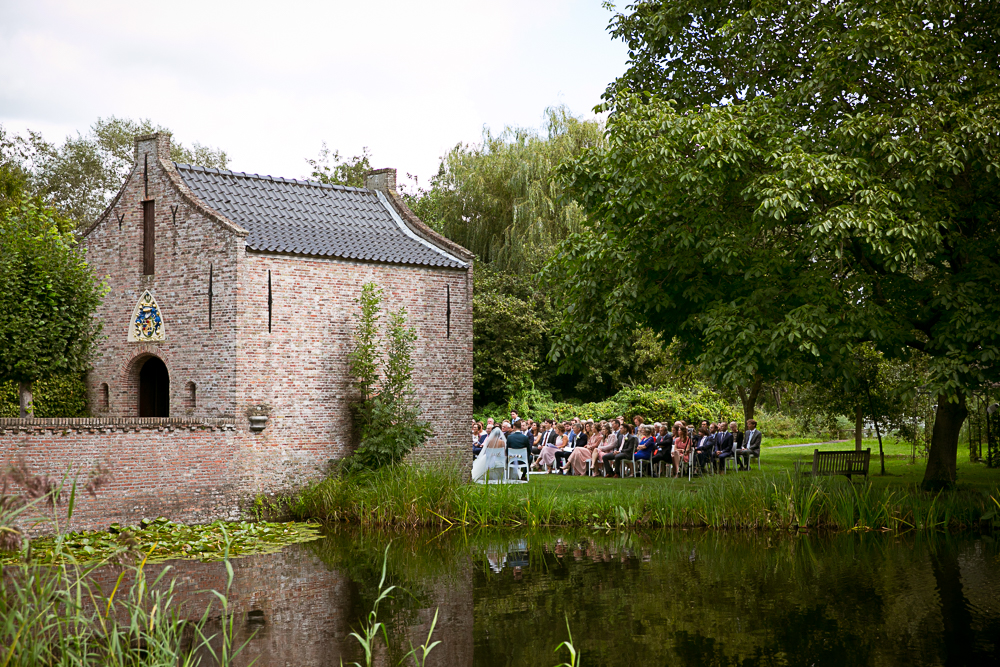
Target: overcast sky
x=269, y=81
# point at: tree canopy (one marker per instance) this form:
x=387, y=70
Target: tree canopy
x=81, y=176
x=785, y=181
x=498, y=199
x=48, y=297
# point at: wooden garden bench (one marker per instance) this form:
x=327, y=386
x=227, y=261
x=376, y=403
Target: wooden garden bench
x=848, y=462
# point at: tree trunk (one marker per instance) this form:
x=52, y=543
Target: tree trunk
x=27, y=402
x=749, y=398
x=940, y=472
x=859, y=425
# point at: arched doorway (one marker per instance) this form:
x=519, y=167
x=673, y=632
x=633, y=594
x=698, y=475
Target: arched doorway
x=154, y=389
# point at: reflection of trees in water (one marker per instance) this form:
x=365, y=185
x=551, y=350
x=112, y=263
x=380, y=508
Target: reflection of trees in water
x=717, y=599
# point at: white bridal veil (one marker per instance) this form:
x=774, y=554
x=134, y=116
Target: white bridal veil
x=491, y=460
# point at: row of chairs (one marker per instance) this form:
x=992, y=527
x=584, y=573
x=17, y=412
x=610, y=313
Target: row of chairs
x=688, y=464
x=519, y=460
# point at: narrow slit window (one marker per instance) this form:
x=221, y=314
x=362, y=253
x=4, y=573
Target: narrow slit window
x=148, y=237
x=270, y=301
x=447, y=312
x=105, y=397
x=210, y=295
x=192, y=395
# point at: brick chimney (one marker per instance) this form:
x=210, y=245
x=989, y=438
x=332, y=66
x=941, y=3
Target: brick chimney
x=381, y=179
x=156, y=145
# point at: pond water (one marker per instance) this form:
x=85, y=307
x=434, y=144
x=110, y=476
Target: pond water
x=666, y=598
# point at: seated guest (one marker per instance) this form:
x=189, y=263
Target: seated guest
x=703, y=446
x=607, y=446
x=644, y=450
x=584, y=449
x=547, y=459
x=581, y=455
x=723, y=446
x=574, y=438
x=517, y=440
x=734, y=428
x=664, y=444
x=751, y=444
x=682, y=446
x=478, y=436
x=623, y=452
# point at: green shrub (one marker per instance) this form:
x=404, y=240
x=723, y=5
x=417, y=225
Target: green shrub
x=387, y=417
x=776, y=424
x=663, y=404
x=59, y=396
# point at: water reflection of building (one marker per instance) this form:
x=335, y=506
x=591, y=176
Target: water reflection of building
x=294, y=610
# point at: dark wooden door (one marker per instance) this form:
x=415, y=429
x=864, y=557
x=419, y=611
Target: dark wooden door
x=154, y=389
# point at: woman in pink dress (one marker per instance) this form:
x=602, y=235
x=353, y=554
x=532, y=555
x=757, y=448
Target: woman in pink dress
x=577, y=462
x=608, y=445
x=547, y=458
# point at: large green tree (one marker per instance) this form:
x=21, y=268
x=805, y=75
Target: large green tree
x=498, y=199
x=799, y=178
x=81, y=176
x=48, y=297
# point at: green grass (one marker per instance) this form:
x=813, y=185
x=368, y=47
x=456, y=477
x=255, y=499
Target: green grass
x=769, y=499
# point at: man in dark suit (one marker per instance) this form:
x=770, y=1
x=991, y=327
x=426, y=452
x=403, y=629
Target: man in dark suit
x=723, y=445
x=751, y=444
x=626, y=446
x=705, y=444
x=516, y=439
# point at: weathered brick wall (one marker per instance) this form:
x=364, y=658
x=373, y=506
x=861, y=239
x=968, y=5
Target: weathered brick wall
x=187, y=245
x=300, y=367
x=186, y=470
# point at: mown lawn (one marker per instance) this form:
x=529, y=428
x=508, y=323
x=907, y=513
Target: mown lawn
x=777, y=458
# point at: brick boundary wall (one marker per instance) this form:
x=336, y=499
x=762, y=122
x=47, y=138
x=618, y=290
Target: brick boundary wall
x=185, y=470
x=189, y=470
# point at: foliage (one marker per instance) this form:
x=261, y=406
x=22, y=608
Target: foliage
x=330, y=167
x=692, y=404
x=387, y=413
x=61, y=395
x=803, y=177
x=497, y=198
x=509, y=325
x=363, y=358
x=160, y=540
x=81, y=176
x=48, y=296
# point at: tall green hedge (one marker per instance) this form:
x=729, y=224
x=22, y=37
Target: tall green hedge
x=59, y=396
x=655, y=404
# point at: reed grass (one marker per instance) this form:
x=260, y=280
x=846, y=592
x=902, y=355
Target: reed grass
x=408, y=497
x=58, y=615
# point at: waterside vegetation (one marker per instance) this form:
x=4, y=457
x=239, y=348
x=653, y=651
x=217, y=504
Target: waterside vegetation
x=773, y=499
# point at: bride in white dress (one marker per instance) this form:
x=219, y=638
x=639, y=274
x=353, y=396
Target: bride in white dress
x=491, y=460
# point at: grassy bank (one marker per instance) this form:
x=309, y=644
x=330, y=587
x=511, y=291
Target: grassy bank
x=773, y=498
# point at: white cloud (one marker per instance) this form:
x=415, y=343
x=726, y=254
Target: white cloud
x=269, y=81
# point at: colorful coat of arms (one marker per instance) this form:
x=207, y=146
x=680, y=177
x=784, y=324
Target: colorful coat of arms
x=147, y=321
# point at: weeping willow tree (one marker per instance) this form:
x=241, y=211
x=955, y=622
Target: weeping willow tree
x=498, y=199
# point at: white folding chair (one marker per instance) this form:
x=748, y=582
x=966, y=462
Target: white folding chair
x=516, y=459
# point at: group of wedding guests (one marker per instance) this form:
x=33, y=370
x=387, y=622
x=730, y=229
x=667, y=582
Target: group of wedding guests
x=577, y=446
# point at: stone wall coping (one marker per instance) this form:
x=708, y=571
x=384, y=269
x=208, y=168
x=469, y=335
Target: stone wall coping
x=116, y=422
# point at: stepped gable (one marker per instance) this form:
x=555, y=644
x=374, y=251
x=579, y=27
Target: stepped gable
x=308, y=218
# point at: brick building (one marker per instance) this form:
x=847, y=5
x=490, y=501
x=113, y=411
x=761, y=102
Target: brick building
x=231, y=295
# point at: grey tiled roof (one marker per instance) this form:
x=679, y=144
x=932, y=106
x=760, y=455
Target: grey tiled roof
x=308, y=218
